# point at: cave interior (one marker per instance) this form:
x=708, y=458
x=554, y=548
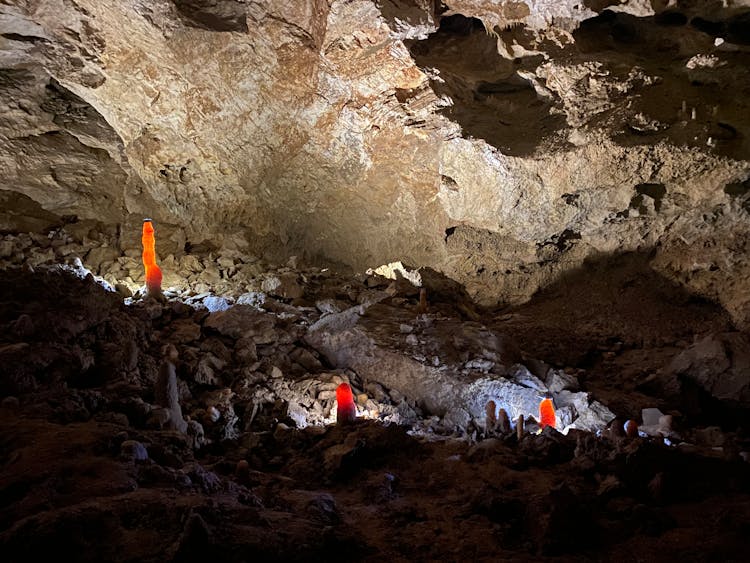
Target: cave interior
x=459, y=280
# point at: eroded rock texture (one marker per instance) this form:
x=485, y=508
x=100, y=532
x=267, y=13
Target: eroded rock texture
x=502, y=143
x=201, y=427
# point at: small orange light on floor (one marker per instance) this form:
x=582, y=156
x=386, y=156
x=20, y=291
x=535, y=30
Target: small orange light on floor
x=153, y=272
x=346, y=411
x=546, y=413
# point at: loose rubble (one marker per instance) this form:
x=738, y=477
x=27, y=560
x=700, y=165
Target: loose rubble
x=212, y=412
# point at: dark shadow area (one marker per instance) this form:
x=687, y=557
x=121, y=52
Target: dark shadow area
x=735, y=29
x=694, y=102
x=740, y=191
x=491, y=101
x=18, y=211
x=680, y=98
x=623, y=324
x=670, y=26
x=92, y=471
x=213, y=15
x=618, y=297
x=671, y=18
x=647, y=199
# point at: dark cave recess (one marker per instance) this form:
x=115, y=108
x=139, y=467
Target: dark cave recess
x=493, y=101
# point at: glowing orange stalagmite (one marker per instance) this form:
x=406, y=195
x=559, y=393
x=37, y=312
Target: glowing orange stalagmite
x=546, y=413
x=153, y=272
x=346, y=411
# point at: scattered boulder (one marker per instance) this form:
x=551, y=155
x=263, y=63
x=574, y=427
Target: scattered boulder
x=133, y=450
x=267, y=425
x=720, y=364
x=284, y=285
x=208, y=371
x=243, y=321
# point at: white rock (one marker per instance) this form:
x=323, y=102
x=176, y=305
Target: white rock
x=214, y=303
x=558, y=380
x=253, y=298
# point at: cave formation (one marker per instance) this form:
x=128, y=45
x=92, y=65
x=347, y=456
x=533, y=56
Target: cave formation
x=462, y=211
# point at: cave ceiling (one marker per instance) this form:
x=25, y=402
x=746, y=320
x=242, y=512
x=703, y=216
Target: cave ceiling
x=504, y=143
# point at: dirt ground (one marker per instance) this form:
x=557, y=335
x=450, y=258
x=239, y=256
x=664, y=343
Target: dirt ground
x=86, y=470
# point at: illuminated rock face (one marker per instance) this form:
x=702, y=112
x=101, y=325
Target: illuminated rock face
x=358, y=135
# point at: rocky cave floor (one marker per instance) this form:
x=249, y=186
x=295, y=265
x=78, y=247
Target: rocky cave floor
x=240, y=458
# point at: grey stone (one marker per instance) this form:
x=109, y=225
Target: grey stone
x=208, y=370
x=196, y=434
x=252, y=298
x=720, y=363
x=243, y=321
x=99, y=255
x=329, y=306
x=523, y=376
x=306, y=359
x=214, y=303
x=284, y=285
x=134, y=450
x=183, y=331
x=557, y=380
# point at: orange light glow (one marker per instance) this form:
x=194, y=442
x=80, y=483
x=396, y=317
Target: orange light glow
x=546, y=413
x=153, y=272
x=346, y=411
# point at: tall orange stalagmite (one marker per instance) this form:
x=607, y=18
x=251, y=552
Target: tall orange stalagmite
x=153, y=272
x=546, y=413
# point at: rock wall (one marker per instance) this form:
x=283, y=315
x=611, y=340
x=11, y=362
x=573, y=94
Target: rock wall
x=503, y=143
